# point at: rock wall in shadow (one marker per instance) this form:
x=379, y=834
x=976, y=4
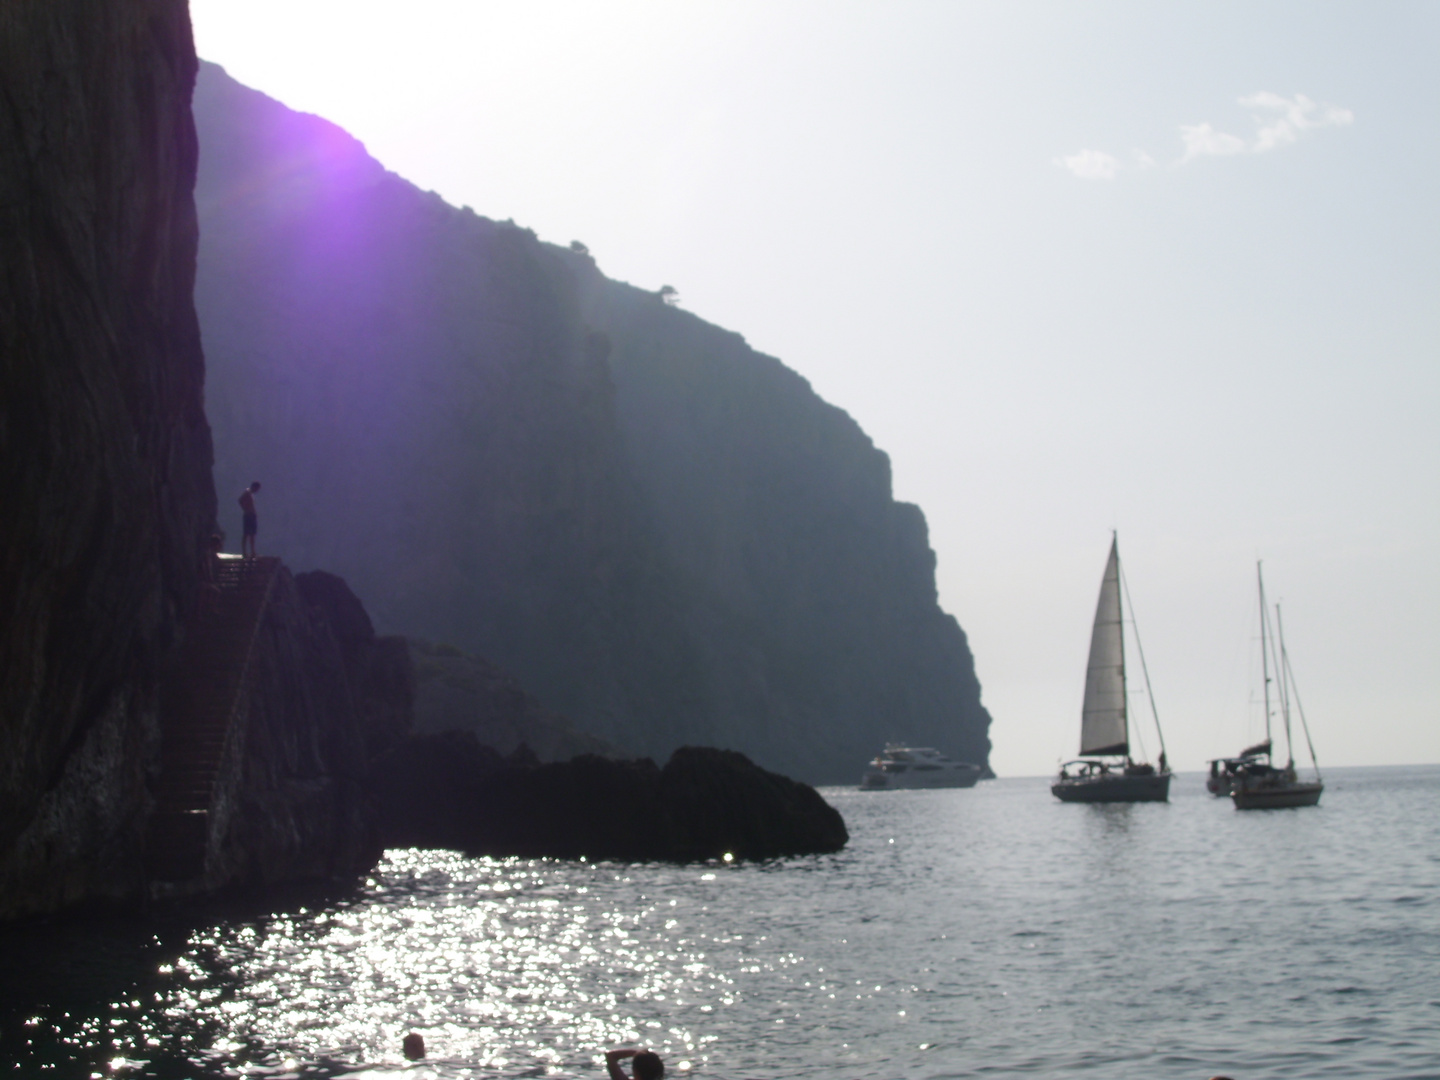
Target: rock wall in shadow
x=666, y=536
x=106, y=483
x=324, y=698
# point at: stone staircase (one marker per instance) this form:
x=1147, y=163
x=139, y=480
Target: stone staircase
x=198, y=702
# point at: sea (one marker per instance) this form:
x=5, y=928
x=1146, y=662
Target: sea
x=989, y=932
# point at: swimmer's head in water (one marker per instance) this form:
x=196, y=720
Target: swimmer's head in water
x=648, y=1066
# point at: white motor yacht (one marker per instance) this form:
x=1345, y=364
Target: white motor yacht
x=917, y=767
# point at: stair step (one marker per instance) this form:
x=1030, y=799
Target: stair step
x=198, y=703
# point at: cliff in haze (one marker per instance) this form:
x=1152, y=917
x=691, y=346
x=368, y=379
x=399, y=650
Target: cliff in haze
x=668, y=537
x=455, y=691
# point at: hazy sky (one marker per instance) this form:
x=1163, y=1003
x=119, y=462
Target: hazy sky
x=1172, y=269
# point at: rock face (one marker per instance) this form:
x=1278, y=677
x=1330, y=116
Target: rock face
x=324, y=697
x=668, y=537
x=106, y=478
x=458, y=692
x=106, y=490
x=449, y=791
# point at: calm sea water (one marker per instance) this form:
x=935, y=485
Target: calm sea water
x=982, y=933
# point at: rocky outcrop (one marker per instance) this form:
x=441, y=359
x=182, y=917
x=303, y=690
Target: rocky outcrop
x=455, y=691
x=324, y=697
x=106, y=483
x=666, y=536
x=449, y=791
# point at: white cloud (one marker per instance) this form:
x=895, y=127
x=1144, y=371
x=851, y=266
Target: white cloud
x=1091, y=165
x=1280, y=120
x=1202, y=140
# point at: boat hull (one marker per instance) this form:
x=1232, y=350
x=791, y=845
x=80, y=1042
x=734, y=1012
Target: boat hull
x=1276, y=797
x=949, y=778
x=1113, y=787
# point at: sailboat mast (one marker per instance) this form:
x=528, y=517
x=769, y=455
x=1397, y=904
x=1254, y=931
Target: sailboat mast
x=1264, y=647
x=1121, y=595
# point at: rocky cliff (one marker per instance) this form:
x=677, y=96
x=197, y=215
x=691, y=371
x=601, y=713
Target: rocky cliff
x=106, y=480
x=320, y=699
x=668, y=537
x=110, y=642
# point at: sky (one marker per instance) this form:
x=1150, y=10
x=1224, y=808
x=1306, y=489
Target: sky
x=1170, y=269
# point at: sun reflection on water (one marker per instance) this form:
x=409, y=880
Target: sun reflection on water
x=504, y=966
x=968, y=948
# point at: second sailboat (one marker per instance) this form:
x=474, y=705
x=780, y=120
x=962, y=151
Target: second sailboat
x=1105, y=771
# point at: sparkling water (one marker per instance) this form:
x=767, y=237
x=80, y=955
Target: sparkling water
x=978, y=933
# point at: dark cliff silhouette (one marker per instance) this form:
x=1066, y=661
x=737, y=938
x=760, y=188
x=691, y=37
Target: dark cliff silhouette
x=105, y=482
x=222, y=734
x=668, y=537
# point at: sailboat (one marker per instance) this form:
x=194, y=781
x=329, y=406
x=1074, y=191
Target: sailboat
x=1256, y=783
x=1105, y=771
x=1223, y=771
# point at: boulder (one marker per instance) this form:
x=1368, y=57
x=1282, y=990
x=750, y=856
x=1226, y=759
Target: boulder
x=447, y=790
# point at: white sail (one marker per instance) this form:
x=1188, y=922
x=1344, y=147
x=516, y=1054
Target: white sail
x=1102, y=725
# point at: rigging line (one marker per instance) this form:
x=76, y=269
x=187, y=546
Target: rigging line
x=1144, y=670
x=1277, y=646
x=1299, y=708
x=1144, y=750
x=1264, y=648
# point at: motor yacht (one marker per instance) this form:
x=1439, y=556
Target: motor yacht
x=917, y=767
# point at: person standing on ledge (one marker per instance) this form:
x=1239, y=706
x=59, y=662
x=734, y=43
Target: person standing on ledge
x=251, y=522
x=646, y=1066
